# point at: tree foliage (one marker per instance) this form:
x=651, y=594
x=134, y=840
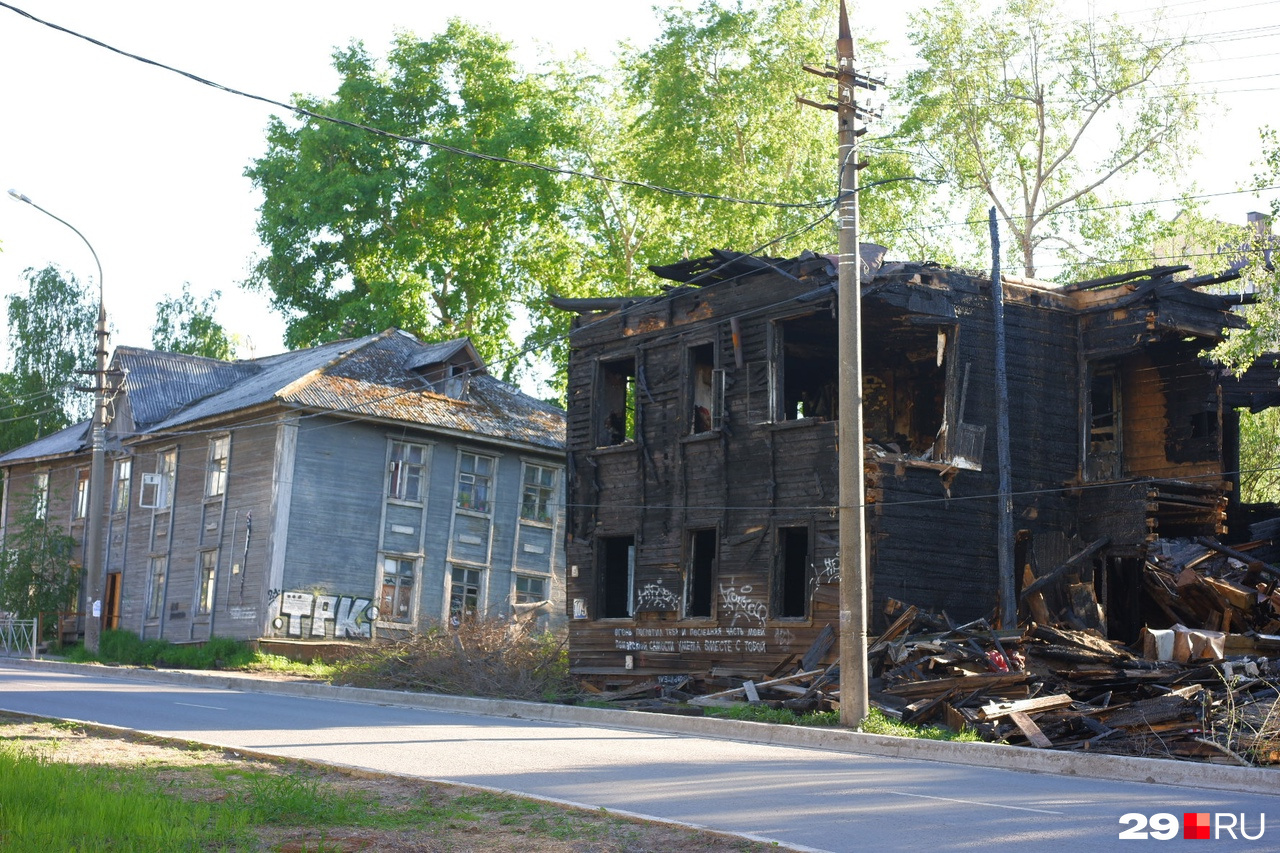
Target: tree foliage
x=51, y=337
x=187, y=326
x=710, y=107
x=364, y=232
x=1034, y=112
x=38, y=573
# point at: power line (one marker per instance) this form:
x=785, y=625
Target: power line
x=414, y=140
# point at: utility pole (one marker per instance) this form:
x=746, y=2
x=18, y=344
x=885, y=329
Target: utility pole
x=853, y=549
x=94, y=574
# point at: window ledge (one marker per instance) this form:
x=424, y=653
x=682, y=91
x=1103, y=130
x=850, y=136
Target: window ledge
x=610, y=449
x=799, y=423
x=701, y=436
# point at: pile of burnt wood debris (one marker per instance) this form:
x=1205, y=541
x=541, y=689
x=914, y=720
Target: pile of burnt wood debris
x=1204, y=688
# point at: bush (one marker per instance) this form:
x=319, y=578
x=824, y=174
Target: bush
x=480, y=657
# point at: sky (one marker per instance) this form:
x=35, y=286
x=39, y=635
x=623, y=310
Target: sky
x=149, y=166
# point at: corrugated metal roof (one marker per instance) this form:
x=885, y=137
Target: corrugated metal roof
x=70, y=440
x=372, y=376
x=261, y=383
x=160, y=383
x=375, y=381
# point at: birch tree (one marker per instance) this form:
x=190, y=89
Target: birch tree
x=1035, y=112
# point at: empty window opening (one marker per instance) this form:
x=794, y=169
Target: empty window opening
x=617, y=401
x=1104, y=423
x=707, y=390
x=904, y=388
x=617, y=558
x=700, y=576
x=1204, y=424
x=808, y=368
x=792, y=582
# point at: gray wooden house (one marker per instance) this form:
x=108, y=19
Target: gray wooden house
x=362, y=488
x=704, y=465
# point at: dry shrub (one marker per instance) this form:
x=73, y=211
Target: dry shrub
x=480, y=657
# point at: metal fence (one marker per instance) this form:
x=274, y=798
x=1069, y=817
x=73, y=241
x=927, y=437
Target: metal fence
x=17, y=636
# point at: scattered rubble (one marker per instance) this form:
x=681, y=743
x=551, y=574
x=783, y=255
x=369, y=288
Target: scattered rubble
x=1205, y=687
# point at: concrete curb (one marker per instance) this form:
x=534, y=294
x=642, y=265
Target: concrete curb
x=1250, y=780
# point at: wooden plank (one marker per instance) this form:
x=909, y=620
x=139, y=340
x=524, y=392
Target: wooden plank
x=1030, y=730
x=702, y=700
x=994, y=710
x=749, y=687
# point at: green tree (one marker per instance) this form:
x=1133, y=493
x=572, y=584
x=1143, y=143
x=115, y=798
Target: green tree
x=187, y=326
x=1034, y=112
x=364, y=232
x=51, y=338
x=38, y=573
x=710, y=107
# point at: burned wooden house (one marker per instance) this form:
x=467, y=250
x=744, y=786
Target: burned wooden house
x=702, y=531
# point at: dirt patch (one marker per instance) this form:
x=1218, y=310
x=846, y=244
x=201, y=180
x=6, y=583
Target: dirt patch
x=387, y=813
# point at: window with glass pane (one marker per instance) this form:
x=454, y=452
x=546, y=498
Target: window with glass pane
x=204, y=598
x=529, y=588
x=167, y=468
x=408, y=471
x=539, y=485
x=155, y=588
x=82, y=493
x=397, y=589
x=123, y=477
x=474, y=477
x=216, y=480
x=464, y=594
x=41, y=494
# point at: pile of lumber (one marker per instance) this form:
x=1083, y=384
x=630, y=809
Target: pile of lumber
x=1051, y=687
x=1202, y=584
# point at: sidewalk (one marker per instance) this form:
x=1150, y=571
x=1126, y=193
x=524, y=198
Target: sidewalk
x=1250, y=780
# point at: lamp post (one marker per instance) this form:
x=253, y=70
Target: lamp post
x=94, y=575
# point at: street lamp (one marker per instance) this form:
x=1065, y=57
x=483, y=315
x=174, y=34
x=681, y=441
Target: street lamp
x=94, y=574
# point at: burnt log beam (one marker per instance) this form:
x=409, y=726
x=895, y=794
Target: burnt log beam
x=1073, y=562
x=1252, y=563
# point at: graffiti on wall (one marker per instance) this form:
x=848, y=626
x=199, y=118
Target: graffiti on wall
x=305, y=614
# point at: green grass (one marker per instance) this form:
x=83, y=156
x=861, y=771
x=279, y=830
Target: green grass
x=781, y=716
x=876, y=723
x=125, y=647
x=92, y=808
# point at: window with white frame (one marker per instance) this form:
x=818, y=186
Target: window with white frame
x=537, y=499
x=205, y=576
x=475, y=476
x=398, y=582
x=407, y=477
x=530, y=589
x=215, y=483
x=81, y=508
x=155, y=587
x=167, y=473
x=40, y=494
x=122, y=480
x=464, y=594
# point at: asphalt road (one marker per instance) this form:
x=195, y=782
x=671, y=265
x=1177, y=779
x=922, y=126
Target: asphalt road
x=800, y=797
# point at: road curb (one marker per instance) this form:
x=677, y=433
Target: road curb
x=1250, y=780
